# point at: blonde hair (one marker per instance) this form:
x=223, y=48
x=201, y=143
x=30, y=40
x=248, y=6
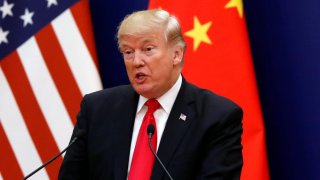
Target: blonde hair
x=142, y=22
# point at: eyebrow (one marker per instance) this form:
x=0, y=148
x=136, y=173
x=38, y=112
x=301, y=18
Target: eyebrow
x=144, y=41
x=148, y=40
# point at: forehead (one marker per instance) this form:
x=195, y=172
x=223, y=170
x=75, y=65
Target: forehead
x=141, y=39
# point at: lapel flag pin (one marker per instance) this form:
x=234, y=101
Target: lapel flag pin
x=183, y=117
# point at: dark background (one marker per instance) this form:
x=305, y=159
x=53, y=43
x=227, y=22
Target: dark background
x=285, y=43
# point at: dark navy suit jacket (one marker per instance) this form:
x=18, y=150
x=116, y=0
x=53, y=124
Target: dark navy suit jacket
x=207, y=145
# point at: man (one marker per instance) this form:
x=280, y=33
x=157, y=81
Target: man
x=197, y=133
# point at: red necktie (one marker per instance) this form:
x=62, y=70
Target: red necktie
x=143, y=159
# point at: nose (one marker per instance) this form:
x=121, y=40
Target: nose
x=138, y=60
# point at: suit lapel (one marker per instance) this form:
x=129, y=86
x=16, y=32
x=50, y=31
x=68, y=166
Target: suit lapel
x=175, y=129
x=122, y=135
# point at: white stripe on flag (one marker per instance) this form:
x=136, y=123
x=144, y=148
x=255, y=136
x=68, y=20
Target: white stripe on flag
x=46, y=92
x=17, y=132
x=76, y=52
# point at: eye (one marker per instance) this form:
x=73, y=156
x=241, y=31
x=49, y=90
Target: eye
x=127, y=53
x=149, y=50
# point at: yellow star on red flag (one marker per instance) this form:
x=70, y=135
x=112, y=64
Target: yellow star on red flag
x=199, y=33
x=236, y=4
x=225, y=66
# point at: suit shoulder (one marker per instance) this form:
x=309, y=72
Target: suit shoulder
x=118, y=92
x=210, y=99
x=215, y=109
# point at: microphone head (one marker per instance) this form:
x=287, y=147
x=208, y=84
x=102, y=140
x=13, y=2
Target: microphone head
x=80, y=133
x=150, y=129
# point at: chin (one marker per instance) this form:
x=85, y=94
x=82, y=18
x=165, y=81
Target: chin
x=143, y=91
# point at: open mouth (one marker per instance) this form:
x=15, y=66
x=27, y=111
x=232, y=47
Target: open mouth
x=140, y=78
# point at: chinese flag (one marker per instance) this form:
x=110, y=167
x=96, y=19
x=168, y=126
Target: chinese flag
x=218, y=58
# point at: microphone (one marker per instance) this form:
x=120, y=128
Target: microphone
x=150, y=131
x=79, y=134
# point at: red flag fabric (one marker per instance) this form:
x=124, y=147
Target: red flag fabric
x=42, y=81
x=218, y=58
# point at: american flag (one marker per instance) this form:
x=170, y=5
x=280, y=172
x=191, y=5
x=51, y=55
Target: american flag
x=47, y=63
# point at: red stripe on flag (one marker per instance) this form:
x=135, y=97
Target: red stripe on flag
x=59, y=70
x=31, y=112
x=81, y=14
x=9, y=166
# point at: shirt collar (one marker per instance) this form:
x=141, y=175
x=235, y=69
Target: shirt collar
x=167, y=99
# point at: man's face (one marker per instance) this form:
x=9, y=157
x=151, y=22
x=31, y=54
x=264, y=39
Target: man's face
x=152, y=65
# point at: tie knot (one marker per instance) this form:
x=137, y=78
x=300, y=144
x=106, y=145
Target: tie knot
x=153, y=105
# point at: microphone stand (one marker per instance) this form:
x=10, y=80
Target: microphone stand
x=48, y=162
x=149, y=142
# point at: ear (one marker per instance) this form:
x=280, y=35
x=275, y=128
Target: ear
x=177, y=54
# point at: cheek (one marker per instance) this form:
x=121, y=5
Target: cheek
x=163, y=71
x=128, y=64
x=166, y=66
x=128, y=68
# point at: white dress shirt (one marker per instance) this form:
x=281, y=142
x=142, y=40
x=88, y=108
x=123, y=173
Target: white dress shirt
x=161, y=115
